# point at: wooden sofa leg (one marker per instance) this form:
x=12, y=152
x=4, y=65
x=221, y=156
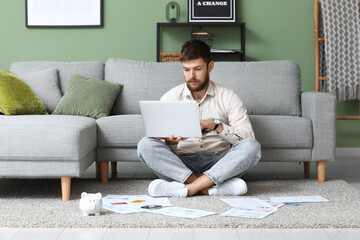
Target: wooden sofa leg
x=306, y=167
x=113, y=167
x=65, y=188
x=104, y=171
x=321, y=171
x=97, y=167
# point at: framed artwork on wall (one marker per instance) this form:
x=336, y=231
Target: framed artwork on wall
x=64, y=13
x=212, y=11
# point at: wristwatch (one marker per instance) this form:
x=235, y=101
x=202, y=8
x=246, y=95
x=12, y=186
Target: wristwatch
x=217, y=123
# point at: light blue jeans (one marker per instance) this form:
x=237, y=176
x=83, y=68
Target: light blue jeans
x=169, y=166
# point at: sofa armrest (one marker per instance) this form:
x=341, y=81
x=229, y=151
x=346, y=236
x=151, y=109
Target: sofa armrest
x=320, y=108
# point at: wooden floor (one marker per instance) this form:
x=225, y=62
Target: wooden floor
x=346, y=167
x=173, y=234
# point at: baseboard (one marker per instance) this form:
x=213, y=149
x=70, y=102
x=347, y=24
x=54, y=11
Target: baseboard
x=347, y=152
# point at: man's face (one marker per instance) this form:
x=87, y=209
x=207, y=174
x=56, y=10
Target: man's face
x=196, y=74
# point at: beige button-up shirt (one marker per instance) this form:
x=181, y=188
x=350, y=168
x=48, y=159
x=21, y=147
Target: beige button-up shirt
x=218, y=103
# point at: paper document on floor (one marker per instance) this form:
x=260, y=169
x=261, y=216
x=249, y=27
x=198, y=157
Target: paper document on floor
x=250, y=212
x=275, y=204
x=246, y=202
x=132, y=203
x=121, y=209
x=183, y=212
x=308, y=199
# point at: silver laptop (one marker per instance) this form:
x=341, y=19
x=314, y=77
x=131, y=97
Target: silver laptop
x=163, y=119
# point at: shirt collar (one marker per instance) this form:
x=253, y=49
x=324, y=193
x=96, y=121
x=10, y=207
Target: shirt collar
x=210, y=91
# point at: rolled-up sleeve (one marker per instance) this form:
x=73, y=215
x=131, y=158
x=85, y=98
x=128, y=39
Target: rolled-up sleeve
x=239, y=126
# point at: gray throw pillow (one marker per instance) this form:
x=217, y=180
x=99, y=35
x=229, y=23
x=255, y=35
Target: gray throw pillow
x=45, y=85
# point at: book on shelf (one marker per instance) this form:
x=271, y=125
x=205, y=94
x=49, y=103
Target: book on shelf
x=201, y=34
x=223, y=50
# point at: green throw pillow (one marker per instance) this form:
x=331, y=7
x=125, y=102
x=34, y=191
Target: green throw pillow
x=86, y=96
x=16, y=97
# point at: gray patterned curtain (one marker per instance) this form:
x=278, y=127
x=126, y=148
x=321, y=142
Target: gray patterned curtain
x=339, y=24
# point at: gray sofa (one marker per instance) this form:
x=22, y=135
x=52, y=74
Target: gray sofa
x=290, y=125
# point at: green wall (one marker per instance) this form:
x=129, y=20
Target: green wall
x=275, y=30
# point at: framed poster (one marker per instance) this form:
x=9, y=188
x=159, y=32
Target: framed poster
x=212, y=11
x=64, y=13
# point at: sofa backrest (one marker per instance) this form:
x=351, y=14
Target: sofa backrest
x=268, y=88
x=92, y=69
x=142, y=81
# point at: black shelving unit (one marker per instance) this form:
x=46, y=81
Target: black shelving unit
x=191, y=26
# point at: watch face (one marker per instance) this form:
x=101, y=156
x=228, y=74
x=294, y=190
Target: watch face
x=216, y=121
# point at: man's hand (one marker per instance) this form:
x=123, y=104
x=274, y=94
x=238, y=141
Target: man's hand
x=209, y=125
x=172, y=140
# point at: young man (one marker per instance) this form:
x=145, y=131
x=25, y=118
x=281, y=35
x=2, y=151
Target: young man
x=207, y=165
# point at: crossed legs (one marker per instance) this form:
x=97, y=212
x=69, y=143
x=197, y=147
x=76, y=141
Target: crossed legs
x=219, y=168
x=200, y=184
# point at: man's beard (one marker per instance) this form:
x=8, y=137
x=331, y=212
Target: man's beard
x=201, y=87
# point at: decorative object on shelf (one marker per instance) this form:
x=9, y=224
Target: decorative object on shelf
x=170, y=56
x=204, y=36
x=65, y=13
x=211, y=11
x=176, y=9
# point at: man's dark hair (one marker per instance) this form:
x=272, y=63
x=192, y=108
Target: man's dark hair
x=194, y=49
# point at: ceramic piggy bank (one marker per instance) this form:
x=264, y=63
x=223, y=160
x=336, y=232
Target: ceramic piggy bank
x=90, y=203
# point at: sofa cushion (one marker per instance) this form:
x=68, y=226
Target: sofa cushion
x=45, y=84
x=91, y=69
x=142, y=81
x=120, y=131
x=267, y=88
x=125, y=131
x=282, y=131
x=46, y=137
x=89, y=97
x=16, y=97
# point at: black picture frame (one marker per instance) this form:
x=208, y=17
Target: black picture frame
x=36, y=16
x=212, y=11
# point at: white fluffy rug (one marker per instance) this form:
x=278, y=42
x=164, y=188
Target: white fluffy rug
x=37, y=203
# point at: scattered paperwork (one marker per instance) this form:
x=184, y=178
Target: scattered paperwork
x=250, y=212
x=125, y=204
x=297, y=199
x=250, y=207
x=183, y=212
x=275, y=204
x=246, y=202
x=242, y=207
